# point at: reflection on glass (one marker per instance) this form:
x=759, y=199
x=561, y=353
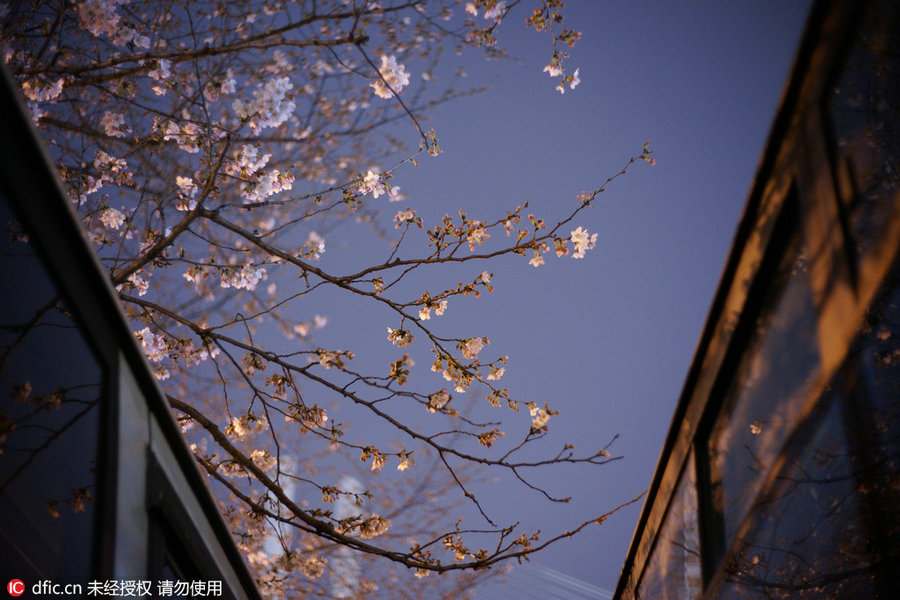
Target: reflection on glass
x=863, y=108
x=674, y=569
x=808, y=538
x=50, y=389
x=768, y=389
x=875, y=419
x=829, y=526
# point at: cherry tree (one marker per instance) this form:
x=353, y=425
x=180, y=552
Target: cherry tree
x=209, y=147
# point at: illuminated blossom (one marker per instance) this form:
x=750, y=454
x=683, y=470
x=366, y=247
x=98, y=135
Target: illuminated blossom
x=36, y=91
x=393, y=74
x=216, y=87
x=187, y=193
x=315, y=245
x=154, y=345
x=572, y=80
x=186, y=135
x=496, y=374
x=263, y=460
x=400, y=337
x=554, y=68
x=372, y=183
x=373, y=527
x=112, y=218
x=247, y=277
x=270, y=106
x=582, y=241
x=100, y=18
x=247, y=162
x=495, y=13
x=139, y=283
x=477, y=235
x=160, y=74
x=267, y=184
x=472, y=347
x=438, y=400
x=330, y=359
x=404, y=216
x=113, y=124
x=539, y=417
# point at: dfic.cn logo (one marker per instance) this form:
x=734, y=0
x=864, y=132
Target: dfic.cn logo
x=15, y=587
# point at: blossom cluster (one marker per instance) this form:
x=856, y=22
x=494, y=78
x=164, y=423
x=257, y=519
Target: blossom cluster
x=248, y=276
x=392, y=79
x=100, y=17
x=271, y=105
x=375, y=183
x=493, y=11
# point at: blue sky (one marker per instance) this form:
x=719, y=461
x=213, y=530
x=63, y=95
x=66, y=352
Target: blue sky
x=607, y=339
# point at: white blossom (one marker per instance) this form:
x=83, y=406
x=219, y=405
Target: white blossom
x=472, y=347
x=248, y=276
x=404, y=216
x=438, y=400
x=154, y=345
x=495, y=13
x=187, y=194
x=263, y=460
x=270, y=106
x=186, y=135
x=582, y=241
x=267, y=184
x=393, y=74
x=112, y=218
x=101, y=18
x=140, y=284
x=36, y=91
x=539, y=417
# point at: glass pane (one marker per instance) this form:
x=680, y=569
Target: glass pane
x=768, y=389
x=875, y=421
x=863, y=109
x=807, y=539
x=50, y=395
x=674, y=569
x=829, y=526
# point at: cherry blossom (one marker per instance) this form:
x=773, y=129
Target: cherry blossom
x=438, y=400
x=495, y=12
x=392, y=74
x=473, y=346
x=210, y=148
x=582, y=241
x=112, y=218
x=248, y=276
x=539, y=417
x=186, y=135
x=271, y=105
x=114, y=124
x=404, y=216
x=263, y=460
x=187, y=195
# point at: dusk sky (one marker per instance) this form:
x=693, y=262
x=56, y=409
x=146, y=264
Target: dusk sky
x=607, y=339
